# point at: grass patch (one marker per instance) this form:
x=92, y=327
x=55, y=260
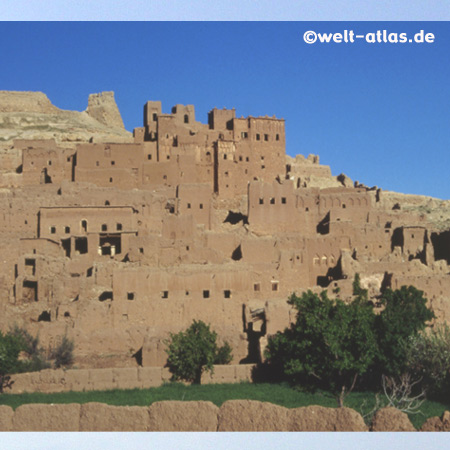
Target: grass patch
x=279, y=394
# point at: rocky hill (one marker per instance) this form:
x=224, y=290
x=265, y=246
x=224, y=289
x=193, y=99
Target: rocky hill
x=31, y=115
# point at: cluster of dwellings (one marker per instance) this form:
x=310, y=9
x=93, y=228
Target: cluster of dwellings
x=120, y=244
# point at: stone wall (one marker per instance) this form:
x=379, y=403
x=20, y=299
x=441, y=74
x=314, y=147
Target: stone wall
x=125, y=378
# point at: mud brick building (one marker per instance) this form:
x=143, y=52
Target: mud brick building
x=119, y=243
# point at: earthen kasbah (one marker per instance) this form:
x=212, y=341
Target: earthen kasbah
x=117, y=239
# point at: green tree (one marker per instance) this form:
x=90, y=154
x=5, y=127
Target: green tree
x=329, y=346
x=194, y=351
x=428, y=359
x=405, y=314
x=10, y=347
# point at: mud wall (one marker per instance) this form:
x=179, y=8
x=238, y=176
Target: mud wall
x=126, y=378
x=233, y=415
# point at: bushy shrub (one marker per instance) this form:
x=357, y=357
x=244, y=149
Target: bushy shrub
x=62, y=354
x=428, y=358
x=35, y=359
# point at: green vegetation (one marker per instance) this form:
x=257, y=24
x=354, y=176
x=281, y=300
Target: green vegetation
x=10, y=348
x=194, y=351
x=328, y=347
x=332, y=344
x=405, y=314
x=279, y=394
x=428, y=358
x=20, y=352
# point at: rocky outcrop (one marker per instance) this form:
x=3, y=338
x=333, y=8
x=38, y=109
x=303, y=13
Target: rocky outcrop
x=391, y=419
x=102, y=107
x=31, y=116
x=26, y=102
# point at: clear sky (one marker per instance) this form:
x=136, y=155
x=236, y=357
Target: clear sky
x=380, y=113
x=225, y=10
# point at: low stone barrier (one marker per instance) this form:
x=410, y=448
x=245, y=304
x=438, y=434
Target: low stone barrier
x=233, y=415
x=127, y=378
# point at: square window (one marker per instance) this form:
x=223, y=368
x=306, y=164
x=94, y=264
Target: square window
x=149, y=157
x=104, y=227
x=52, y=230
x=119, y=227
x=272, y=201
x=227, y=293
x=201, y=205
x=261, y=201
x=266, y=137
x=110, y=180
x=258, y=137
x=274, y=286
x=256, y=287
x=283, y=200
x=141, y=250
x=206, y=294
x=165, y=294
x=113, y=163
x=67, y=230
x=188, y=206
x=130, y=296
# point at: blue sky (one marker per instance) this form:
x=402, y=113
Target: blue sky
x=225, y=10
x=379, y=113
